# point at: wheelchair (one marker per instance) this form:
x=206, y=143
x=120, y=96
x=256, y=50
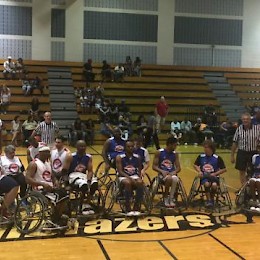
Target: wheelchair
x=222, y=200
x=156, y=193
x=114, y=195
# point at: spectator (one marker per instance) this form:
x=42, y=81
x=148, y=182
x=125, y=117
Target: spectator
x=245, y=140
x=188, y=133
x=28, y=127
x=5, y=98
x=20, y=69
x=16, y=130
x=87, y=100
x=123, y=109
x=99, y=91
x=141, y=126
x=36, y=83
x=202, y=130
x=34, y=110
x=253, y=109
x=106, y=72
x=9, y=68
x=128, y=66
x=256, y=118
x=88, y=71
x=3, y=133
x=26, y=87
x=105, y=118
x=161, y=111
x=125, y=127
x=48, y=130
x=78, y=131
x=77, y=92
x=210, y=117
x=176, y=129
x=90, y=130
x=224, y=135
x=137, y=67
x=113, y=112
x=119, y=72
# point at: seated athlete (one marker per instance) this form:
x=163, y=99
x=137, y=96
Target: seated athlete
x=113, y=147
x=209, y=166
x=166, y=163
x=81, y=174
x=129, y=167
x=60, y=159
x=254, y=182
x=39, y=176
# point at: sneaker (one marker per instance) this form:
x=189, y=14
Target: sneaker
x=166, y=202
x=172, y=204
x=130, y=214
x=50, y=226
x=87, y=210
x=252, y=203
x=136, y=213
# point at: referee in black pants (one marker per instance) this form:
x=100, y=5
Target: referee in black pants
x=245, y=140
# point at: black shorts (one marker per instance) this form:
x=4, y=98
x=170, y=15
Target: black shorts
x=244, y=159
x=210, y=179
x=6, y=184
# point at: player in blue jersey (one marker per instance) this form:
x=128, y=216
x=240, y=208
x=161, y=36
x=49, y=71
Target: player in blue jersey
x=129, y=167
x=81, y=174
x=166, y=163
x=254, y=182
x=209, y=166
x=113, y=147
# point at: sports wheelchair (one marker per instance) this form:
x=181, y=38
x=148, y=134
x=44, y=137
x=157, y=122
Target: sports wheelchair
x=114, y=195
x=196, y=198
x=157, y=190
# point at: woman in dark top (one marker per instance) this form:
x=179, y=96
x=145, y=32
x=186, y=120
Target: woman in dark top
x=34, y=110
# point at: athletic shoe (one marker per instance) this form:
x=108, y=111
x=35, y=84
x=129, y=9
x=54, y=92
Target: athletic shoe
x=136, y=213
x=87, y=210
x=172, y=204
x=252, y=203
x=166, y=202
x=50, y=226
x=130, y=214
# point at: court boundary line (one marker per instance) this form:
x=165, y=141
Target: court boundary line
x=227, y=247
x=104, y=251
x=167, y=250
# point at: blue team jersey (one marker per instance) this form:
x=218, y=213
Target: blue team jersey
x=209, y=164
x=167, y=160
x=130, y=164
x=115, y=148
x=79, y=163
x=256, y=165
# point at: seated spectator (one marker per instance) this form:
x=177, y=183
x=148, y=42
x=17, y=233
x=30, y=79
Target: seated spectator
x=20, y=69
x=5, y=98
x=125, y=126
x=90, y=131
x=9, y=68
x=26, y=87
x=77, y=92
x=210, y=117
x=137, y=67
x=87, y=100
x=113, y=112
x=78, y=131
x=106, y=72
x=99, y=91
x=176, y=129
x=128, y=66
x=141, y=126
x=188, y=134
x=36, y=83
x=256, y=118
x=104, y=118
x=88, y=71
x=16, y=130
x=3, y=133
x=123, y=109
x=119, y=73
x=253, y=109
x=28, y=127
x=34, y=110
x=202, y=130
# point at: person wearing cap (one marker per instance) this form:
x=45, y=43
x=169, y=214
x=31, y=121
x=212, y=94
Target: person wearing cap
x=161, y=111
x=39, y=176
x=9, y=68
x=166, y=163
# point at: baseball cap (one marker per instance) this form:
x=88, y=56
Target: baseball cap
x=44, y=148
x=9, y=57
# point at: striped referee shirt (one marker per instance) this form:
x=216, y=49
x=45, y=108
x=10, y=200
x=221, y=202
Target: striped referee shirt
x=247, y=139
x=48, y=131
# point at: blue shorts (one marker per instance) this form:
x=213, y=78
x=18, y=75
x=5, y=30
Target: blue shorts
x=210, y=179
x=6, y=184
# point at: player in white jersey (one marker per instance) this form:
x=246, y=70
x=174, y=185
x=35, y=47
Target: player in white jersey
x=39, y=176
x=33, y=149
x=60, y=158
x=12, y=166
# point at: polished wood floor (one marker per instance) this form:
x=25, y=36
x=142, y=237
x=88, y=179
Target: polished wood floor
x=238, y=240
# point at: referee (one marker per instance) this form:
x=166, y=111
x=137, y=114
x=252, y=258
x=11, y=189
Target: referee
x=48, y=130
x=245, y=140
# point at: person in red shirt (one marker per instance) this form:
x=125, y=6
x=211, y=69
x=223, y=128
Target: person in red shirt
x=161, y=111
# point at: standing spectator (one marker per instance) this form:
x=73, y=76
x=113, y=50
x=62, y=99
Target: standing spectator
x=34, y=110
x=119, y=72
x=188, y=133
x=106, y=72
x=16, y=130
x=20, y=68
x=88, y=71
x=210, y=116
x=161, y=111
x=176, y=129
x=128, y=66
x=48, y=129
x=9, y=68
x=245, y=139
x=137, y=67
x=28, y=127
x=5, y=98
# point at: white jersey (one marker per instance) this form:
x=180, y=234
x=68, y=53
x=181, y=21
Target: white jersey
x=58, y=159
x=11, y=166
x=43, y=173
x=34, y=152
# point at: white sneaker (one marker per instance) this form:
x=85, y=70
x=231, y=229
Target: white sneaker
x=87, y=210
x=137, y=213
x=130, y=214
x=166, y=202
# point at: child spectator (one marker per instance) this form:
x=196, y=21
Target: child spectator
x=128, y=66
x=5, y=98
x=20, y=69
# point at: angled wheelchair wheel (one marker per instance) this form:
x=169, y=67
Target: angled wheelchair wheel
x=154, y=187
x=193, y=191
x=242, y=197
x=224, y=194
x=97, y=201
x=181, y=192
x=109, y=197
x=147, y=180
x=102, y=177
x=29, y=214
x=147, y=202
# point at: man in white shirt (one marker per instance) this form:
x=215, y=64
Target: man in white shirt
x=9, y=68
